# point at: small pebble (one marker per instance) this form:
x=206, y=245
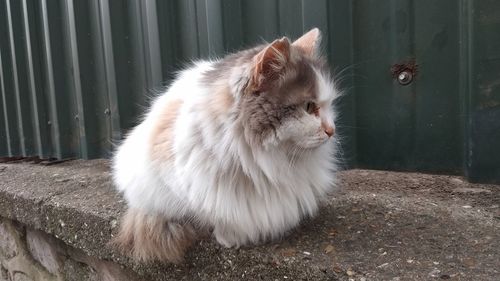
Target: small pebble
x=62, y=180
x=329, y=249
x=337, y=269
x=434, y=273
x=383, y=265
x=306, y=253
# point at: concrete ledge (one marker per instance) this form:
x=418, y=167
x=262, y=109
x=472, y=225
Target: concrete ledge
x=381, y=226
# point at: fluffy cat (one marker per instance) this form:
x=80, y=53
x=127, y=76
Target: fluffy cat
x=241, y=146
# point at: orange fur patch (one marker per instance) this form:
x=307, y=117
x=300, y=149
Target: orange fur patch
x=221, y=101
x=162, y=138
x=146, y=237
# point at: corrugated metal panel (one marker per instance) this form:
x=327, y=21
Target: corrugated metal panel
x=74, y=75
x=434, y=124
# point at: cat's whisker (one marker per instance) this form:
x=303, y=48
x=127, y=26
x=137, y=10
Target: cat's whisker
x=350, y=127
x=353, y=65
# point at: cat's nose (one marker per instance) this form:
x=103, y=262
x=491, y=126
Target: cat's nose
x=330, y=131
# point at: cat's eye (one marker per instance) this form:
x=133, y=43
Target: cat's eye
x=312, y=108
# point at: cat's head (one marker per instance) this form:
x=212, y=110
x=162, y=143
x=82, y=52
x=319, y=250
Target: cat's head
x=287, y=99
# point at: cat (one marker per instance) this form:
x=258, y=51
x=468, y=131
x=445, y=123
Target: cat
x=242, y=146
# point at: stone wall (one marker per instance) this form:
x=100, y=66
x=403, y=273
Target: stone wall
x=56, y=223
x=32, y=255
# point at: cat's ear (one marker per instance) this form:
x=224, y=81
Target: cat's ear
x=309, y=42
x=269, y=63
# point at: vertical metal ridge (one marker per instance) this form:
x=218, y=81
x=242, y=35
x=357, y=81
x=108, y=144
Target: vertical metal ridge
x=50, y=87
x=94, y=79
x=189, y=45
x=8, y=100
x=215, y=35
x=146, y=43
x=209, y=26
x=169, y=41
x=232, y=24
x=201, y=21
x=137, y=46
x=72, y=45
x=466, y=54
x=3, y=137
x=4, y=126
x=196, y=28
x=109, y=65
x=151, y=41
x=15, y=75
x=37, y=102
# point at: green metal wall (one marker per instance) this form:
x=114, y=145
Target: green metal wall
x=74, y=75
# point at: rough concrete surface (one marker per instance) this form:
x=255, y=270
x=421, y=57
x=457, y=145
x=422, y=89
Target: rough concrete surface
x=379, y=226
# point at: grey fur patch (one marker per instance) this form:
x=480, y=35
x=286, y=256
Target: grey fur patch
x=261, y=114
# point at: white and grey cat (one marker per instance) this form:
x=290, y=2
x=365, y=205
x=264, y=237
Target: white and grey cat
x=240, y=146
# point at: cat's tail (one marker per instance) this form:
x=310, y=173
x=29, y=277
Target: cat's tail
x=146, y=237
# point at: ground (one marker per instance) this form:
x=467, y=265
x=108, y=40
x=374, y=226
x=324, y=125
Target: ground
x=378, y=226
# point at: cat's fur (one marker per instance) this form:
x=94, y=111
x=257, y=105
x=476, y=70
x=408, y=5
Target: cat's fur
x=234, y=146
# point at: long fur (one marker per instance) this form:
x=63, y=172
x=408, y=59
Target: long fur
x=194, y=159
x=147, y=237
